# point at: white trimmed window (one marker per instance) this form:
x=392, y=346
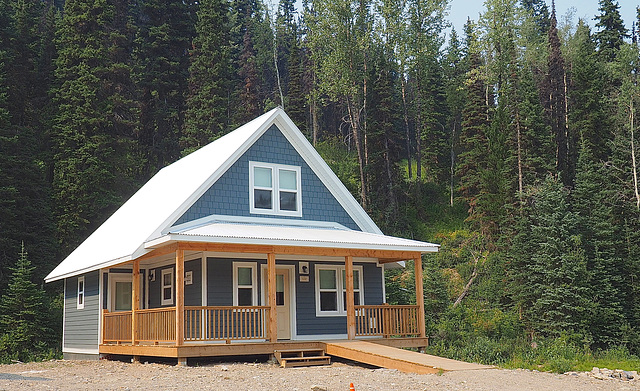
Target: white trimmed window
x=80, y=303
x=167, y=286
x=331, y=291
x=245, y=284
x=274, y=189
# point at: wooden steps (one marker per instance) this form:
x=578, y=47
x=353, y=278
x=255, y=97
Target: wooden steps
x=301, y=357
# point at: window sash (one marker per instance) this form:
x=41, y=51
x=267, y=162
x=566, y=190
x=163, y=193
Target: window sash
x=245, y=285
x=166, y=284
x=331, y=288
x=80, y=295
x=279, y=194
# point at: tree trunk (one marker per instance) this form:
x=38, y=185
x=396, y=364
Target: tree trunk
x=355, y=130
x=633, y=155
x=406, y=123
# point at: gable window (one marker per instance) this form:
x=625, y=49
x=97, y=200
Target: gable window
x=331, y=290
x=80, y=303
x=245, y=292
x=167, y=287
x=274, y=189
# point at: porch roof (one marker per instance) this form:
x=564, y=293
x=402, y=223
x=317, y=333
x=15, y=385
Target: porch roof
x=293, y=236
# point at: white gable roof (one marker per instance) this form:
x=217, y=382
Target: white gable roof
x=151, y=211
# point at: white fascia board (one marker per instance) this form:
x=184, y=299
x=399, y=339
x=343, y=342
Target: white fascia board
x=195, y=196
x=89, y=269
x=326, y=175
x=282, y=242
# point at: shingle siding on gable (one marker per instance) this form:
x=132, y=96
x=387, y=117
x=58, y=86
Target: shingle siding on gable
x=230, y=194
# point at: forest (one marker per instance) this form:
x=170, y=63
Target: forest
x=512, y=144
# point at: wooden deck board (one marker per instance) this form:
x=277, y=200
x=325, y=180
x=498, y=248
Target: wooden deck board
x=394, y=358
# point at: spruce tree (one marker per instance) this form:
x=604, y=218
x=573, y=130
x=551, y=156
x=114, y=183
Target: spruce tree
x=95, y=122
x=612, y=31
x=593, y=201
x=208, y=106
x=548, y=266
x=160, y=72
x=589, y=108
x=25, y=332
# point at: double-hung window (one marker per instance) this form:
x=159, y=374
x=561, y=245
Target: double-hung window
x=331, y=289
x=80, y=303
x=167, y=286
x=275, y=189
x=245, y=287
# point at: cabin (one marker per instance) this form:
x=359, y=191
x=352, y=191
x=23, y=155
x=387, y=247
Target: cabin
x=249, y=245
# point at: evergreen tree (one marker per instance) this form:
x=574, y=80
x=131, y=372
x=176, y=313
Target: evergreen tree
x=548, y=267
x=540, y=13
x=161, y=69
x=589, y=112
x=95, y=122
x=612, y=31
x=208, y=106
x=593, y=201
x=556, y=107
x=25, y=332
x=475, y=125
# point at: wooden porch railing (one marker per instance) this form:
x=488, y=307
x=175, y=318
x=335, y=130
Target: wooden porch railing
x=158, y=325
x=387, y=320
x=116, y=327
x=226, y=323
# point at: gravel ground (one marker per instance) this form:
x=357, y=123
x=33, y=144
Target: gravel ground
x=117, y=375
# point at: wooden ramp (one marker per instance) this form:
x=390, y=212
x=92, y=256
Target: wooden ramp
x=394, y=358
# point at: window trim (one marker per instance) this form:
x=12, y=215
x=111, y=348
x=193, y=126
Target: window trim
x=81, y=296
x=275, y=190
x=254, y=281
x=342, y=311
x=164, y=301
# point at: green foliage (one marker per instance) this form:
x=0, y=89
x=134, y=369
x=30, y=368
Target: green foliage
x=25, y=318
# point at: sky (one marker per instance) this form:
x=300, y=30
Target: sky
x=585, y=9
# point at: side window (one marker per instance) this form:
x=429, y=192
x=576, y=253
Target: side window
x=167, y=286
x=80, y=303
x=328, y=290
x=245, y=292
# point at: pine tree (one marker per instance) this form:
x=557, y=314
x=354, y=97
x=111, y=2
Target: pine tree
x=208, y=107
x=612, y=31
x=25, y=332
x=161, y=69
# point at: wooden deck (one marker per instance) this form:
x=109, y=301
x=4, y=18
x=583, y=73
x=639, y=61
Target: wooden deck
x=393, y=358
x=382, y=352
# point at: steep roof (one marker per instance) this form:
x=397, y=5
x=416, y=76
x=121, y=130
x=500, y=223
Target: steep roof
x=150, y=212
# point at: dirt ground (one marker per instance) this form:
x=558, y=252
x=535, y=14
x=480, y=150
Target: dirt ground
x=118, y=375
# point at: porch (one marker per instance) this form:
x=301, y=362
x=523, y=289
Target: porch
x=182, y=331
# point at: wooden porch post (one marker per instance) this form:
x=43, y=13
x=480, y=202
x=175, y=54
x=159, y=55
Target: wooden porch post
x=419, y=294
x=135, y=299
x=273, y=314
x=351, y=309
x=179, y=296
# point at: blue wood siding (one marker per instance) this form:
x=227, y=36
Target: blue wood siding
x=193, y=292
x=81, y=325
x=230, y=194
x=220, y=292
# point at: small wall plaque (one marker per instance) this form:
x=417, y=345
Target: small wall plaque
x=188, y=278
x=304, y=278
